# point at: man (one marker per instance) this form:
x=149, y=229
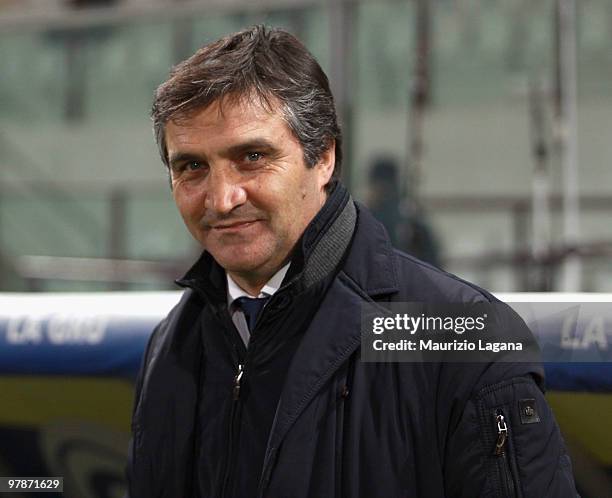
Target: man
x=406, y=224
x=253, y=384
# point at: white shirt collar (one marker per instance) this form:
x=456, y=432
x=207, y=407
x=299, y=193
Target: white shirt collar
x=234, y=291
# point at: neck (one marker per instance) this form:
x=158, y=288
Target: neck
x=251, y=284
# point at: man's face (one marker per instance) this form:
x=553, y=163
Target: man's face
x=241, y=185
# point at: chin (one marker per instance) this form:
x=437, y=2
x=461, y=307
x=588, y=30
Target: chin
x=239, y=265
x=242, y=257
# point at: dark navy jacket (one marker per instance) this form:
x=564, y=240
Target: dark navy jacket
x=338, y=427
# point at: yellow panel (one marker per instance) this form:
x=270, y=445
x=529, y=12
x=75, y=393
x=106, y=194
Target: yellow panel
x=32, y=401
x=586, y=418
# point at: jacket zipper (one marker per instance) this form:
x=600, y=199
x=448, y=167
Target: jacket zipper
x=237, y=379
x=232, y=430
x=501, y=446
x=234, y=418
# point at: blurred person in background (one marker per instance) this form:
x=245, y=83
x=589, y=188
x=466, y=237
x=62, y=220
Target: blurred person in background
x=408, y=231
x=253, y=384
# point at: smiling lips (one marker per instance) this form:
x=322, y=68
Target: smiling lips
x=234, y=226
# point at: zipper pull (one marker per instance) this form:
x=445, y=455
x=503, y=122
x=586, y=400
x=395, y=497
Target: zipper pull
x=502, y=434
x=236, y=392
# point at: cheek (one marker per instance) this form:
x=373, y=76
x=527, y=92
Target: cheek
x=286, y=200
x=188, y=206
x=268, y=195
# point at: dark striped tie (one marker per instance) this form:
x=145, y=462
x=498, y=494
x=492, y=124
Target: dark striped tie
x=251, y=307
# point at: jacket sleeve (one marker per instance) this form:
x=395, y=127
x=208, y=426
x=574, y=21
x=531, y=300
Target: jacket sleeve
x=508, y=444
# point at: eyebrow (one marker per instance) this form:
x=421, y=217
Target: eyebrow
x=249, y=145
x=179, y=157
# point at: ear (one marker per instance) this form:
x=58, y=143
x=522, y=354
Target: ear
x=325, y=166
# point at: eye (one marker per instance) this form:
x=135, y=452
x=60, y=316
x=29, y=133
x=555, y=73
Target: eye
x=253, y=157
x=193, y=165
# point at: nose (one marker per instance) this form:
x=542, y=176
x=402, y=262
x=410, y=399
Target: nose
x=224, y=193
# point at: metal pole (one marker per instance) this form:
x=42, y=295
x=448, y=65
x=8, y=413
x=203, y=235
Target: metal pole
x=520, y=231
x=117, y=235
x=571, y=276
x=419, y=100
x=540, y=201
x=341, y=25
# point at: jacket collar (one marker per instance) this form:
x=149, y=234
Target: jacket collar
x=370, y=262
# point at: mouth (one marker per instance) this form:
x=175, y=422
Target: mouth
x=234, y=226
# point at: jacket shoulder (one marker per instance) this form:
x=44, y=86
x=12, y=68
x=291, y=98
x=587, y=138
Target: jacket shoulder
x=171, y=343
x=182, y=315
x=420, y=281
